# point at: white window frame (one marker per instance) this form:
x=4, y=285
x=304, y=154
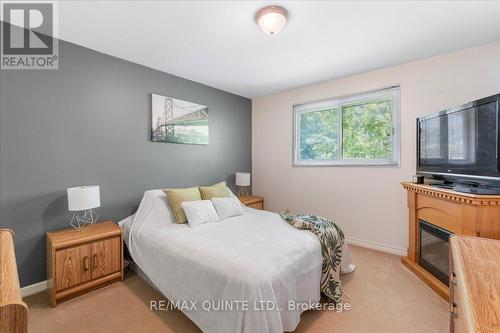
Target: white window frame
x=338, y=102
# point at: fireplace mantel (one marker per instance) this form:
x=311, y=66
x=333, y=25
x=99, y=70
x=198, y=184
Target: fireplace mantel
x=450, y=195
x=459, y=213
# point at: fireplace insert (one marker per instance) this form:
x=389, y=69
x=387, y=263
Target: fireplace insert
x=433, y=250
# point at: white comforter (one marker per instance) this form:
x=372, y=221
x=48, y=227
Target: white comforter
x=250, y=258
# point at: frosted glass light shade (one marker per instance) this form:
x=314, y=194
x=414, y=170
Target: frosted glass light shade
x=83, y=198
x=243, y=179
x=271, y=19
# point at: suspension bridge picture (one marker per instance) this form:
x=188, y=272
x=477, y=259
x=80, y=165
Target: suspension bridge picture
x=177, y=121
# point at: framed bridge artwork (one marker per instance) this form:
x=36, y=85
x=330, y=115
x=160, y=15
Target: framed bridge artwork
x=177, y=121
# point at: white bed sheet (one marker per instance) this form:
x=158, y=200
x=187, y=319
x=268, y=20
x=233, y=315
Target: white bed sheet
x=253, y=257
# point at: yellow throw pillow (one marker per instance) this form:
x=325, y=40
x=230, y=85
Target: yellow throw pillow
x=177, y=196
x=219, y=190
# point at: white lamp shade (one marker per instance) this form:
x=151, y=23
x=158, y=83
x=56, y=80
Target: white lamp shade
x=242, y=179
x=83, y=198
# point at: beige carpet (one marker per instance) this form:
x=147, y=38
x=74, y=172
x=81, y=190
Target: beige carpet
x=384, y=297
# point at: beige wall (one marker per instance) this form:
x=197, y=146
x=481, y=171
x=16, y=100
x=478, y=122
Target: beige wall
x=367, y=202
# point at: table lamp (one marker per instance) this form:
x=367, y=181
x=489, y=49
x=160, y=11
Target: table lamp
x=242, y=182
x=81, y=201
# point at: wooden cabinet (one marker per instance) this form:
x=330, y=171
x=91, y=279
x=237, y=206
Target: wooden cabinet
x=456, y=212
x=80, y=261
x=474, y=285
x=253, y=201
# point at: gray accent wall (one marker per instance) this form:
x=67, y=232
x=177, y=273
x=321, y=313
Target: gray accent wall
x=88, y=123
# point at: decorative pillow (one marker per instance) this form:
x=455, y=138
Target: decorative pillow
x=199, y=212
x=227, y=207
x=219, y=190
x=179, y=195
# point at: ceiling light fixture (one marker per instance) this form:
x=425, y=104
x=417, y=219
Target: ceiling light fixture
x=271, y=19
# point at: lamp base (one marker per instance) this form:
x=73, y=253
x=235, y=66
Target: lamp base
x=242, y=191
x=83, y=219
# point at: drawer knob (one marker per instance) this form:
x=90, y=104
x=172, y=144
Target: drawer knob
x=453, y=279
x=453, y=310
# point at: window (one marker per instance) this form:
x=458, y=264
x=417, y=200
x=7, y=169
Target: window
x=356, y=130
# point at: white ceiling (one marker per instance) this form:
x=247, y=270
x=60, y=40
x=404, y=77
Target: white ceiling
x=218, y=43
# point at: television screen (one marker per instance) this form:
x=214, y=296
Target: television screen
x=461, y=142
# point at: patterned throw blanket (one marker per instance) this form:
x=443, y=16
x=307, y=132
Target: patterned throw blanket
x=332, y=240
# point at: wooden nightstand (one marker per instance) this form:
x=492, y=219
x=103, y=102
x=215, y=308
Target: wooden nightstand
x=81, y=261
x=253, y=202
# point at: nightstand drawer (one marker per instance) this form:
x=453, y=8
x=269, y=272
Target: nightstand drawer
x=252, y=201
x=258, y=205
x=72, y=266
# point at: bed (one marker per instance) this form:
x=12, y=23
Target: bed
x=255, y=259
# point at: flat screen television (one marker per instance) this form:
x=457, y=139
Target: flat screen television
x=460, y=146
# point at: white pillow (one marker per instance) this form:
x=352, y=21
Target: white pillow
x=199, y=212
x=155, y=209
x=227, y=207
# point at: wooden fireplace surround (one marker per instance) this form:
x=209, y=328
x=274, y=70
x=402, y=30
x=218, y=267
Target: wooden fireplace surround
x=459, y=213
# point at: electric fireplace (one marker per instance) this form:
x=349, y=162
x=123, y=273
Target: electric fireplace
x=433, y=250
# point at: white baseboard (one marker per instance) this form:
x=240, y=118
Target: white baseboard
x=34, y=288
x=377, y=246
